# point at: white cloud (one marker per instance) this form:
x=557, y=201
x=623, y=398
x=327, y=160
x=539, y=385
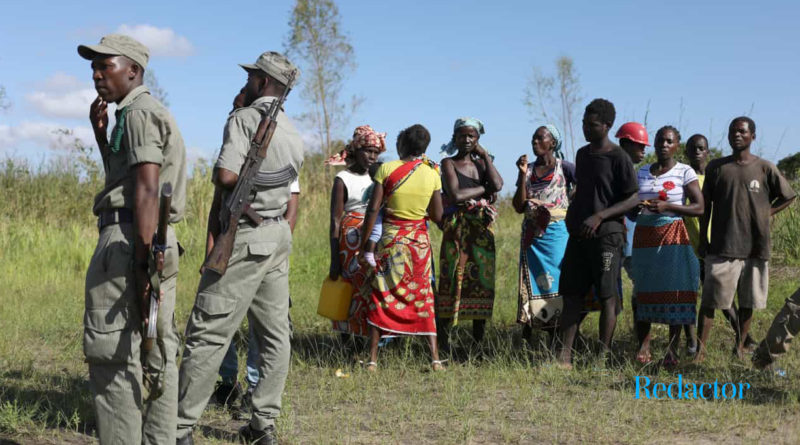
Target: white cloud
x=74, y=104
x=47, y=134
x=62, y=96
x=161, y=41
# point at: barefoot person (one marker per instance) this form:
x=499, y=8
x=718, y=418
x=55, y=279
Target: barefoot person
x=467, y=257
x=347, y=217
x=542, y=197
x=633, y=139
x=606, y=189
x=697, y=152
x=399, y=291
x=741, y=193
x=666, y=274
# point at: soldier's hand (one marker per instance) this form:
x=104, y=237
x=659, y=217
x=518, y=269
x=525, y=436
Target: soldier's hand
x=98, y=115
x=143, y=292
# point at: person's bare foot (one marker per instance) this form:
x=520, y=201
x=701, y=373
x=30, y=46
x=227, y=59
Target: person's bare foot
x=700, y=357
x=739, y=352
x=643, y=356
x=564, y=366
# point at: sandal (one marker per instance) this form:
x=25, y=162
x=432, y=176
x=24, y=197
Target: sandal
x=371, y=366
x=438, y=365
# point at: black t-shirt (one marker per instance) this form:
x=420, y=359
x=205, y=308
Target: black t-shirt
x=741, y=198
x=602, y=180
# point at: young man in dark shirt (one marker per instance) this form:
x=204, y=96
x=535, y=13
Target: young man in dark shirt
x=741, y=192
x=606, y=189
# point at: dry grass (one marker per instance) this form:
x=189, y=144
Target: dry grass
x=504, y=391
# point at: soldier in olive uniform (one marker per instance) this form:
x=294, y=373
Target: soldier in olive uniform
x=257, y=279
x=145, y=151
x=784, y=328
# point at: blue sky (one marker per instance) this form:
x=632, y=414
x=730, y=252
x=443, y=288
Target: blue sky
x=697, y=64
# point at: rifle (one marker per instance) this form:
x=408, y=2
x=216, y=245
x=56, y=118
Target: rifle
x=154, y=383
x=238, y=203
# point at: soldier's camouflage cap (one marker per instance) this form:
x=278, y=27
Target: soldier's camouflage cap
x=117, y=45
x=274, y=64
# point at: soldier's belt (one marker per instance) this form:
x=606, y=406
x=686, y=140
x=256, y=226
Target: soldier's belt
x=266, y=220
x=115, y=216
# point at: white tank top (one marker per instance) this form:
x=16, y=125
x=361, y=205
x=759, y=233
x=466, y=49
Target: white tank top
x=355, y=186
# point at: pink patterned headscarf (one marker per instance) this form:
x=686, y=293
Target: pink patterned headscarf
x=365, y=136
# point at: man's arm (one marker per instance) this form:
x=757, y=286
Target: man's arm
x=213, y=225
x=98, y=116
x=590, y=225
x=145, y=219
x=780, y=204
x=705, y=218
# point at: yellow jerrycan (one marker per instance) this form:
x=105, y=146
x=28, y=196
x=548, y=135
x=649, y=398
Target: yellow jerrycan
x=334, y=299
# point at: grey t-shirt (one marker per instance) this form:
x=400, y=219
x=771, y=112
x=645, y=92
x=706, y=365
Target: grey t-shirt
x=741, y=197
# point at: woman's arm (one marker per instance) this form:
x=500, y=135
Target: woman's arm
x=435, y=207
x=337, y=209
x=450, y=183
x=494, y=181
x=374, y=206
x=522, y=185
x=694, y=208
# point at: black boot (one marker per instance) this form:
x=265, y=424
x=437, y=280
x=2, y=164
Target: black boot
x=250, y=436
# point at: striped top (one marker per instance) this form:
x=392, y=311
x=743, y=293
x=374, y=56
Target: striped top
x=668, y=185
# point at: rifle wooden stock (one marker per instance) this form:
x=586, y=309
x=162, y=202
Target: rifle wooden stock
x=160, y=240
x=238, y=203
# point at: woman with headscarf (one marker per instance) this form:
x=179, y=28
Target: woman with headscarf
x=543, y=197
x=467, y=258
x=399, y=288
x=347, y=217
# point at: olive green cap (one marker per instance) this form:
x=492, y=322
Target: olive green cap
x=117, y=45
x=276, y=65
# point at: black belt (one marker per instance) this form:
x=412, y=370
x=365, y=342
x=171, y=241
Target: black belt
x=265, y=220
x=115, y=216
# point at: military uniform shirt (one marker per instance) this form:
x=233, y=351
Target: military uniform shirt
x=285, y=149
x=149, y=135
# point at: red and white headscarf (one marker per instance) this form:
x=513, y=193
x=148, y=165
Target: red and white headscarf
x=365, y=136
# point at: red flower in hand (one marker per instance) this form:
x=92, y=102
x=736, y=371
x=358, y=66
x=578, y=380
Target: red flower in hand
x=662, y=195
x=669, y=185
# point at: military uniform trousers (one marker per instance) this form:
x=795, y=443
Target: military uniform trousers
x=256, y=283
x=112, y=339
x=785, y=326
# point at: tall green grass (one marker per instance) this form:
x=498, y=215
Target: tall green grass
x=500, y=391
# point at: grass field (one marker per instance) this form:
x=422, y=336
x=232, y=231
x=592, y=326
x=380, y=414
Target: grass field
x=503, y=391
